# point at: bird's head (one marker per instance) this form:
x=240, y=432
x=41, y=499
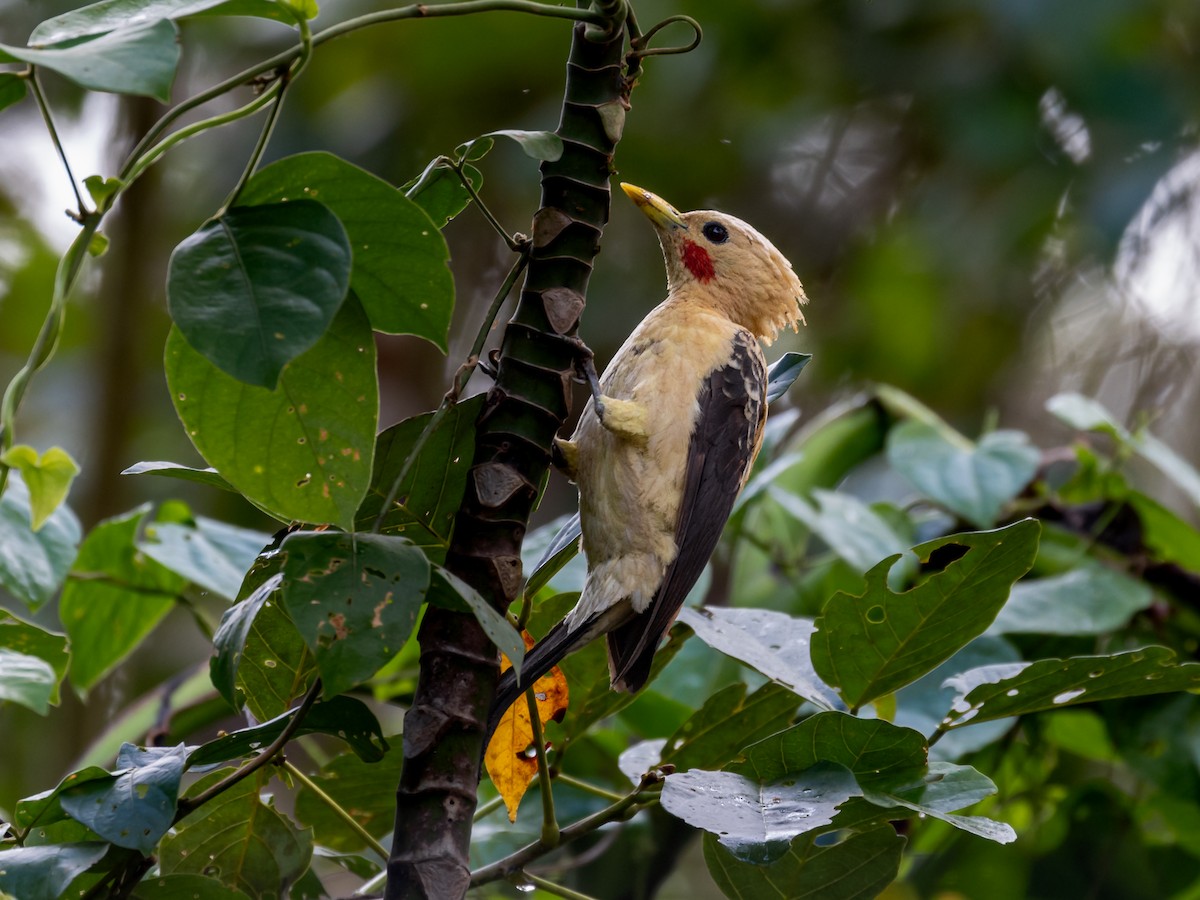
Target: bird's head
x=720, y=261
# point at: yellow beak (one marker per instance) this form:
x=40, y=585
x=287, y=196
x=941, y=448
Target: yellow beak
x=658, y=210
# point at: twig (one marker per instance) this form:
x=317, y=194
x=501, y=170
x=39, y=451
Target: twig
x=336, y=808
x=550, y=830
x=36, y=87
x=551, y=888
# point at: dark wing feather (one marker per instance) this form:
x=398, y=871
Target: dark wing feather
x=724, y=443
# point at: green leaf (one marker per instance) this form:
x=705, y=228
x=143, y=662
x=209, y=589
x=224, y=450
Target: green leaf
x=101, y=189
x=209, y=554
x=139, y=60
x=44, y=873
x=276, y=665
x=400, y=257
x=1090, y=599
x=975, y=483
x=44, y=809
x=783, y=373
x=993, y=692
x=34, y=563
x=354, y=785
x=27, y=680
x=854, y=531
x=229, y=642
x=562, y=548
x=48, y=478
x=1168, y=537
x=133, y=808
x=858, y=867
x=943, y=788
x=542, y=145
x=343, y=717
x=238, y=839
x=775, y=644
x=111, y=15
x=1086, y=414
x=193, y=887
x=302, y=451
x=756, y=821
x=354, y=599
x=30, y=640
x=209, y=476
x=113, y=599
x=427, y=500
x=440, y=192
x=871, y=645
x=727, y=722
x=258, y=286
x=12, y=89
x=446, y=586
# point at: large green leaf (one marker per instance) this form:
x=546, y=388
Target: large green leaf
x=113, y=599
x=259, y=285
x=30, y=640
x=400, y=257
x=111, y=15
x=874, y=644
x=775, y=644
x=139, y=60
x=858, y=867
x=193, y=887
x=303, y=450
x=27, y=680
x=426, y=501
x=355, y=786
x=34, y=563
x=135, y=807
x=45, y=809
x=728, y=721
x=239, y=840
x=44, y=873
x=208, y=553
x=354, y=598
x=972, y=481
x=992, y=692
x=1089, y=599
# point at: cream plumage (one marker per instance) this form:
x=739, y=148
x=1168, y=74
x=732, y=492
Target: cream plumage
x=660, y=464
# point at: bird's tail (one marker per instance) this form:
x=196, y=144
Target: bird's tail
x=547, y=653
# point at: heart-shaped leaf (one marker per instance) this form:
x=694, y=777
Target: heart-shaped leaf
x=111, y=15
x=48, y=477
x=974, y=482
x=258, y=286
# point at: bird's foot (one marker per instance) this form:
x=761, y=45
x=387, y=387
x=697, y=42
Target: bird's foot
x=627, y=419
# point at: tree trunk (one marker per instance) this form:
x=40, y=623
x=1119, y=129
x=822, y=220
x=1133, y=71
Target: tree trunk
x=444, y=730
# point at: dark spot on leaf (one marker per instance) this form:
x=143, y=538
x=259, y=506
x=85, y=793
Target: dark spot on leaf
x=876, y=615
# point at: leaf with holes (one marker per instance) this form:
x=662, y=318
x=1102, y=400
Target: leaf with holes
x=425, y=502
x=302, y=451
x=858, y=867
x=135, y=807
x=230, y=640
x=139, y=60
x=871, y=645
x=993, y=692
x=354, y=599
x=400, y=271
x=259, y=285
x=238, y=839
x=973, y=481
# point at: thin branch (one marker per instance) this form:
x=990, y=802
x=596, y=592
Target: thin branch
x=514, y=244
x=618, y=811
x=188, y=805
x=551, y=888
x=336, y=808
x=550, y=830
x=36, y=87
x=580, y=785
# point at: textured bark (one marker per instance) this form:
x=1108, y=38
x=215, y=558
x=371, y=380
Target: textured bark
x=445, y=728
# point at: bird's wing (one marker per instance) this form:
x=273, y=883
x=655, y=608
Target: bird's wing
x=724, y=442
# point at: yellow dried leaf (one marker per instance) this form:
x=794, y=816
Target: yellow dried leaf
x=510, y=760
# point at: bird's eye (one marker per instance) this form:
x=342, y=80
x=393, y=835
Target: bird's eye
x=715, y=232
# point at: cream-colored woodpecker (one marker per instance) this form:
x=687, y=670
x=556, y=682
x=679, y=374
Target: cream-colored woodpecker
x=661, y=462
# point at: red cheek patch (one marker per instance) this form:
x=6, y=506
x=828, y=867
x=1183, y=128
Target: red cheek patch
x=698, y=262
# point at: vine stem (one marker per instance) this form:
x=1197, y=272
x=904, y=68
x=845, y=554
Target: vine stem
x=286, y=57
x=551, y=888
x=551, y=834
x=336, y=808
x=188, y=805
x=36, y=86
x=514, y=244
x=460, y=383
x=623, y=808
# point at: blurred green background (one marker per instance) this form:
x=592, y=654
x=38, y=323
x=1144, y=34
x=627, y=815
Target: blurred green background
x=989, y=202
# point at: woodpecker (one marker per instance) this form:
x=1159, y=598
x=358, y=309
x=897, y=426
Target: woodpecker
x=662, y=451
